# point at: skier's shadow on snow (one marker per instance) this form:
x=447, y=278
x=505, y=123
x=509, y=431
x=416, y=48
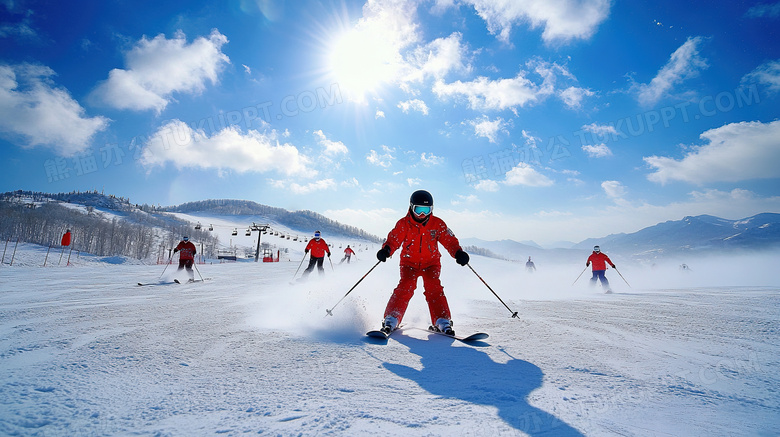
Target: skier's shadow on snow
x=471, y=375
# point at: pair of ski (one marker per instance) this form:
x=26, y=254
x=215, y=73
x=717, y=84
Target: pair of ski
x=467, y=339
x=175, y=281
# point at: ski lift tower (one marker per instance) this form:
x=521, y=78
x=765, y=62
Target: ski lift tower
x=261, y=229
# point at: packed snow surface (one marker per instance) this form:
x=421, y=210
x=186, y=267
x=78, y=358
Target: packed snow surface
x=84, y=350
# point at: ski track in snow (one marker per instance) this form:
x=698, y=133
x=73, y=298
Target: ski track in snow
x=85, y=351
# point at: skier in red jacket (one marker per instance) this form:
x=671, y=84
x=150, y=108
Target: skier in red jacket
x=600, y=261
x=318, y=248
x=419, y=233
x=348, y=252
x=187, y=256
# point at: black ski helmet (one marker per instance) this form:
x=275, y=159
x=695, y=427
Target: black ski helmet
x=421, y=198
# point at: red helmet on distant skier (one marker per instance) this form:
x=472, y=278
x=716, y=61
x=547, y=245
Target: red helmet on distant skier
x=421, y=205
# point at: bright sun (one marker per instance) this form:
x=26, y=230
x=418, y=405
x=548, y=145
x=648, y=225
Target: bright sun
x=361, y=62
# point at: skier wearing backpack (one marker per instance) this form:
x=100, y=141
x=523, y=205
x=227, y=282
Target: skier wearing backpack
x=600, y=261
x=419, y=234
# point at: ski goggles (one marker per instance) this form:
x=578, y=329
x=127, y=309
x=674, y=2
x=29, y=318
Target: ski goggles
x=316, y=235
x=421, y=209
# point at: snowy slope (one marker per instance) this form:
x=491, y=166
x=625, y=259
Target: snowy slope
x=292, y=248
x=84, y=351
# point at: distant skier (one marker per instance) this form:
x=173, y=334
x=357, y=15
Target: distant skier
x=187, y=256
x=600, y=261
x=419, y=234
x=530, y=266
x=318, y=248
x=66, y=237
x=348, y=252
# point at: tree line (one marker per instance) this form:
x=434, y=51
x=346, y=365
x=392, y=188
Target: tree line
x=132, y=233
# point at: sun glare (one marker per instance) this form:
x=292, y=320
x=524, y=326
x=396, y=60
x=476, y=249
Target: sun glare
x=361, y=62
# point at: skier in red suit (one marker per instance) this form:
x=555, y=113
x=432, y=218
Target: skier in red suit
x=187, y=256
x=419, y=234
x=600, y=261
x=348, y=252
x=318, y=248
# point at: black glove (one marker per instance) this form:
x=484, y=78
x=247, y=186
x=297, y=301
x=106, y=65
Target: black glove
x=306, y=251
x=587, y=264
x=329, y=255
x=383, y=254
x=175, y=250
x=461, y=257
x=613, y=266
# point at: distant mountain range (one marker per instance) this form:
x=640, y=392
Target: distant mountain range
x=692, y=235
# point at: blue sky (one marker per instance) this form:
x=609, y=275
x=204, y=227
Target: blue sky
x=534, y=120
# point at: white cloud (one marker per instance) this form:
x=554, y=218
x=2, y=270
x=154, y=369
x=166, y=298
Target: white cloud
x=159, y=67
x=487, y=185
x=524, y=174
x=379, y=114
x=382, y=160
x=228, y=149
x=484, y=127
x=573, y=96
x=429, y=159
x=437, y=59
x=563, y=20
x=614, y=189
x=331, y=148
x=464, y=200
x=767, y=74
x=485, y=94
x=413, y=182
x=771, y=10
x=598, y=151
x=414, y=105
x=321, y=185
x=603, y=130
x=33, y=109
x=350, y=183
x=684, y=63
x=735, y=152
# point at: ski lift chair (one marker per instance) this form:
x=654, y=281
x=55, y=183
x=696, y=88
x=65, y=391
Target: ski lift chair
x=235, y=232
x=197, y=227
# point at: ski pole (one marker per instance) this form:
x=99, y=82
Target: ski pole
x=621, y=276
x=196, y=269
x=331, y=265
x=299, y=266
x=578, y=277
x=166, y=265
x=514, y=313
x=330, y=311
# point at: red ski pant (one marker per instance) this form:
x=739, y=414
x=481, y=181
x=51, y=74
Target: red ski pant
x=434, y=293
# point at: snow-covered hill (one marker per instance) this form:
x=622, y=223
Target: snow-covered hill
x=85, y=351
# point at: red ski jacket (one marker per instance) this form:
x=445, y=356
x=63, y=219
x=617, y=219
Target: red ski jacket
x=186, y=249
x=420, y=241
x=349, y=252
x=318, y=248
x=599, y=261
